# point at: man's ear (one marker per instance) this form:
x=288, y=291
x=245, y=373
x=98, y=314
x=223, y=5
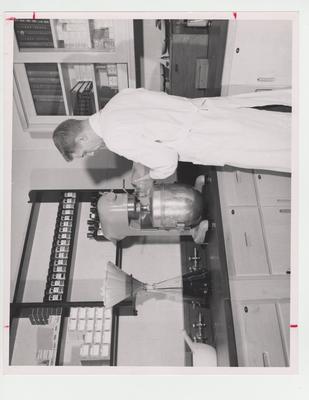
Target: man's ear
x=81, y=138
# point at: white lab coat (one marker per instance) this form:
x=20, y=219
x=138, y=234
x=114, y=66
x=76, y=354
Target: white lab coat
x=158, y=130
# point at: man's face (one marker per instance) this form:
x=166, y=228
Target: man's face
x=81, y=153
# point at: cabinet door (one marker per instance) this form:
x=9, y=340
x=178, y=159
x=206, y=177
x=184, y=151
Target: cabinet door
x=187, y=52
x=266, y=58
x=273, y=189
x=261, y=335
x=246, y=243
x=238, y=188
x=283, y=308
x=277, y=228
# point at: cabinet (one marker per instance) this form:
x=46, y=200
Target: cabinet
x=196, y=59
x=256, y=219
x=277, y=230
x=189, y=78
x=239, y=188
x=69, y=68
x=245, y=241
x=273, y=189
x=261, y=330
x=262, y=63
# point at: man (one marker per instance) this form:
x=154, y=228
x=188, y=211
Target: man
x=156, y=130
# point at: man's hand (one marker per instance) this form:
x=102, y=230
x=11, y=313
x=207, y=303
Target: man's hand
x=142, y=182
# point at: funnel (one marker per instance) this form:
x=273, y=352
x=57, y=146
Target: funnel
x=118, y=285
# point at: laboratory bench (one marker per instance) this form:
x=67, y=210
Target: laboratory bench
x=247, y=255
x=218, y=329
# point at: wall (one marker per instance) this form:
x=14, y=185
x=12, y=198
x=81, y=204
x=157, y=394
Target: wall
x=152, y=53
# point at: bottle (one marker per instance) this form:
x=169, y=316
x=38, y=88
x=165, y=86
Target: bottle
x=59, y=268
x=57, y=282
x=70, y=194
x=67, y=212
x=58, y=275
x=55, y=297
x=65, y=229
x=68, y=206
x=66, y=218
x=60, y=261
x=64, y=236
x=63, y=242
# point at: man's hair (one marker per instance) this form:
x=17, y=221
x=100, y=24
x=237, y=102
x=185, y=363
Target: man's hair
x=64, y=137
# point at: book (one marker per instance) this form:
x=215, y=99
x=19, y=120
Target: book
x=33, y=33
x=43, y=80
x=53, y=92
x=82, y=98
x=32, y=45
x=49, y=107
x=39, y=74
x=48, y=97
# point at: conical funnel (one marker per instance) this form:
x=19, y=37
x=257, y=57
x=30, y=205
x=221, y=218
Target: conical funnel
x=118, y=285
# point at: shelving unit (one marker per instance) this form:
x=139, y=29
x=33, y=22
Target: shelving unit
x=39, y=317
x=52, y=56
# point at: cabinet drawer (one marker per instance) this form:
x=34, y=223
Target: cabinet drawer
x=245, y=241
x=277, y=228
x=261, y=336
x=266, y=56
x=238, y=188
x=234, y=89
x=273, y=189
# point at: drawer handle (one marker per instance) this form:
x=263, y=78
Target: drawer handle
x=262, y=90
x=176, y=68
x=283, y=201
x=266, y=359
x=265, y=79
x=246, y=239
x=285, y=210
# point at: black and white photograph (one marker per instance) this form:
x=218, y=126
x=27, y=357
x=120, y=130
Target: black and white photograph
x=151, y=202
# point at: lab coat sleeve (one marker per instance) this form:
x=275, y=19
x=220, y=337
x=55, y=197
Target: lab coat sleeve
x=161, y=160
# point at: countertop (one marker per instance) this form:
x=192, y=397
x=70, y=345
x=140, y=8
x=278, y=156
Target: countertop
x=214, y=253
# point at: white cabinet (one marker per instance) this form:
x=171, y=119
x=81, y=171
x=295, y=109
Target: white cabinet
x=239, y=188
x=256, y=212
x=277, y=229
x=245, y=239
x=283, y=309
x=258, y=56
x=273, y=189
x=261, y=332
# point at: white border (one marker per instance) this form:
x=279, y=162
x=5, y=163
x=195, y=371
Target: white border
x=7, y=160
x=222, y=387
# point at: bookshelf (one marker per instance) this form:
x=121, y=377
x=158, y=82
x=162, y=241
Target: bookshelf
x=69, y=68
